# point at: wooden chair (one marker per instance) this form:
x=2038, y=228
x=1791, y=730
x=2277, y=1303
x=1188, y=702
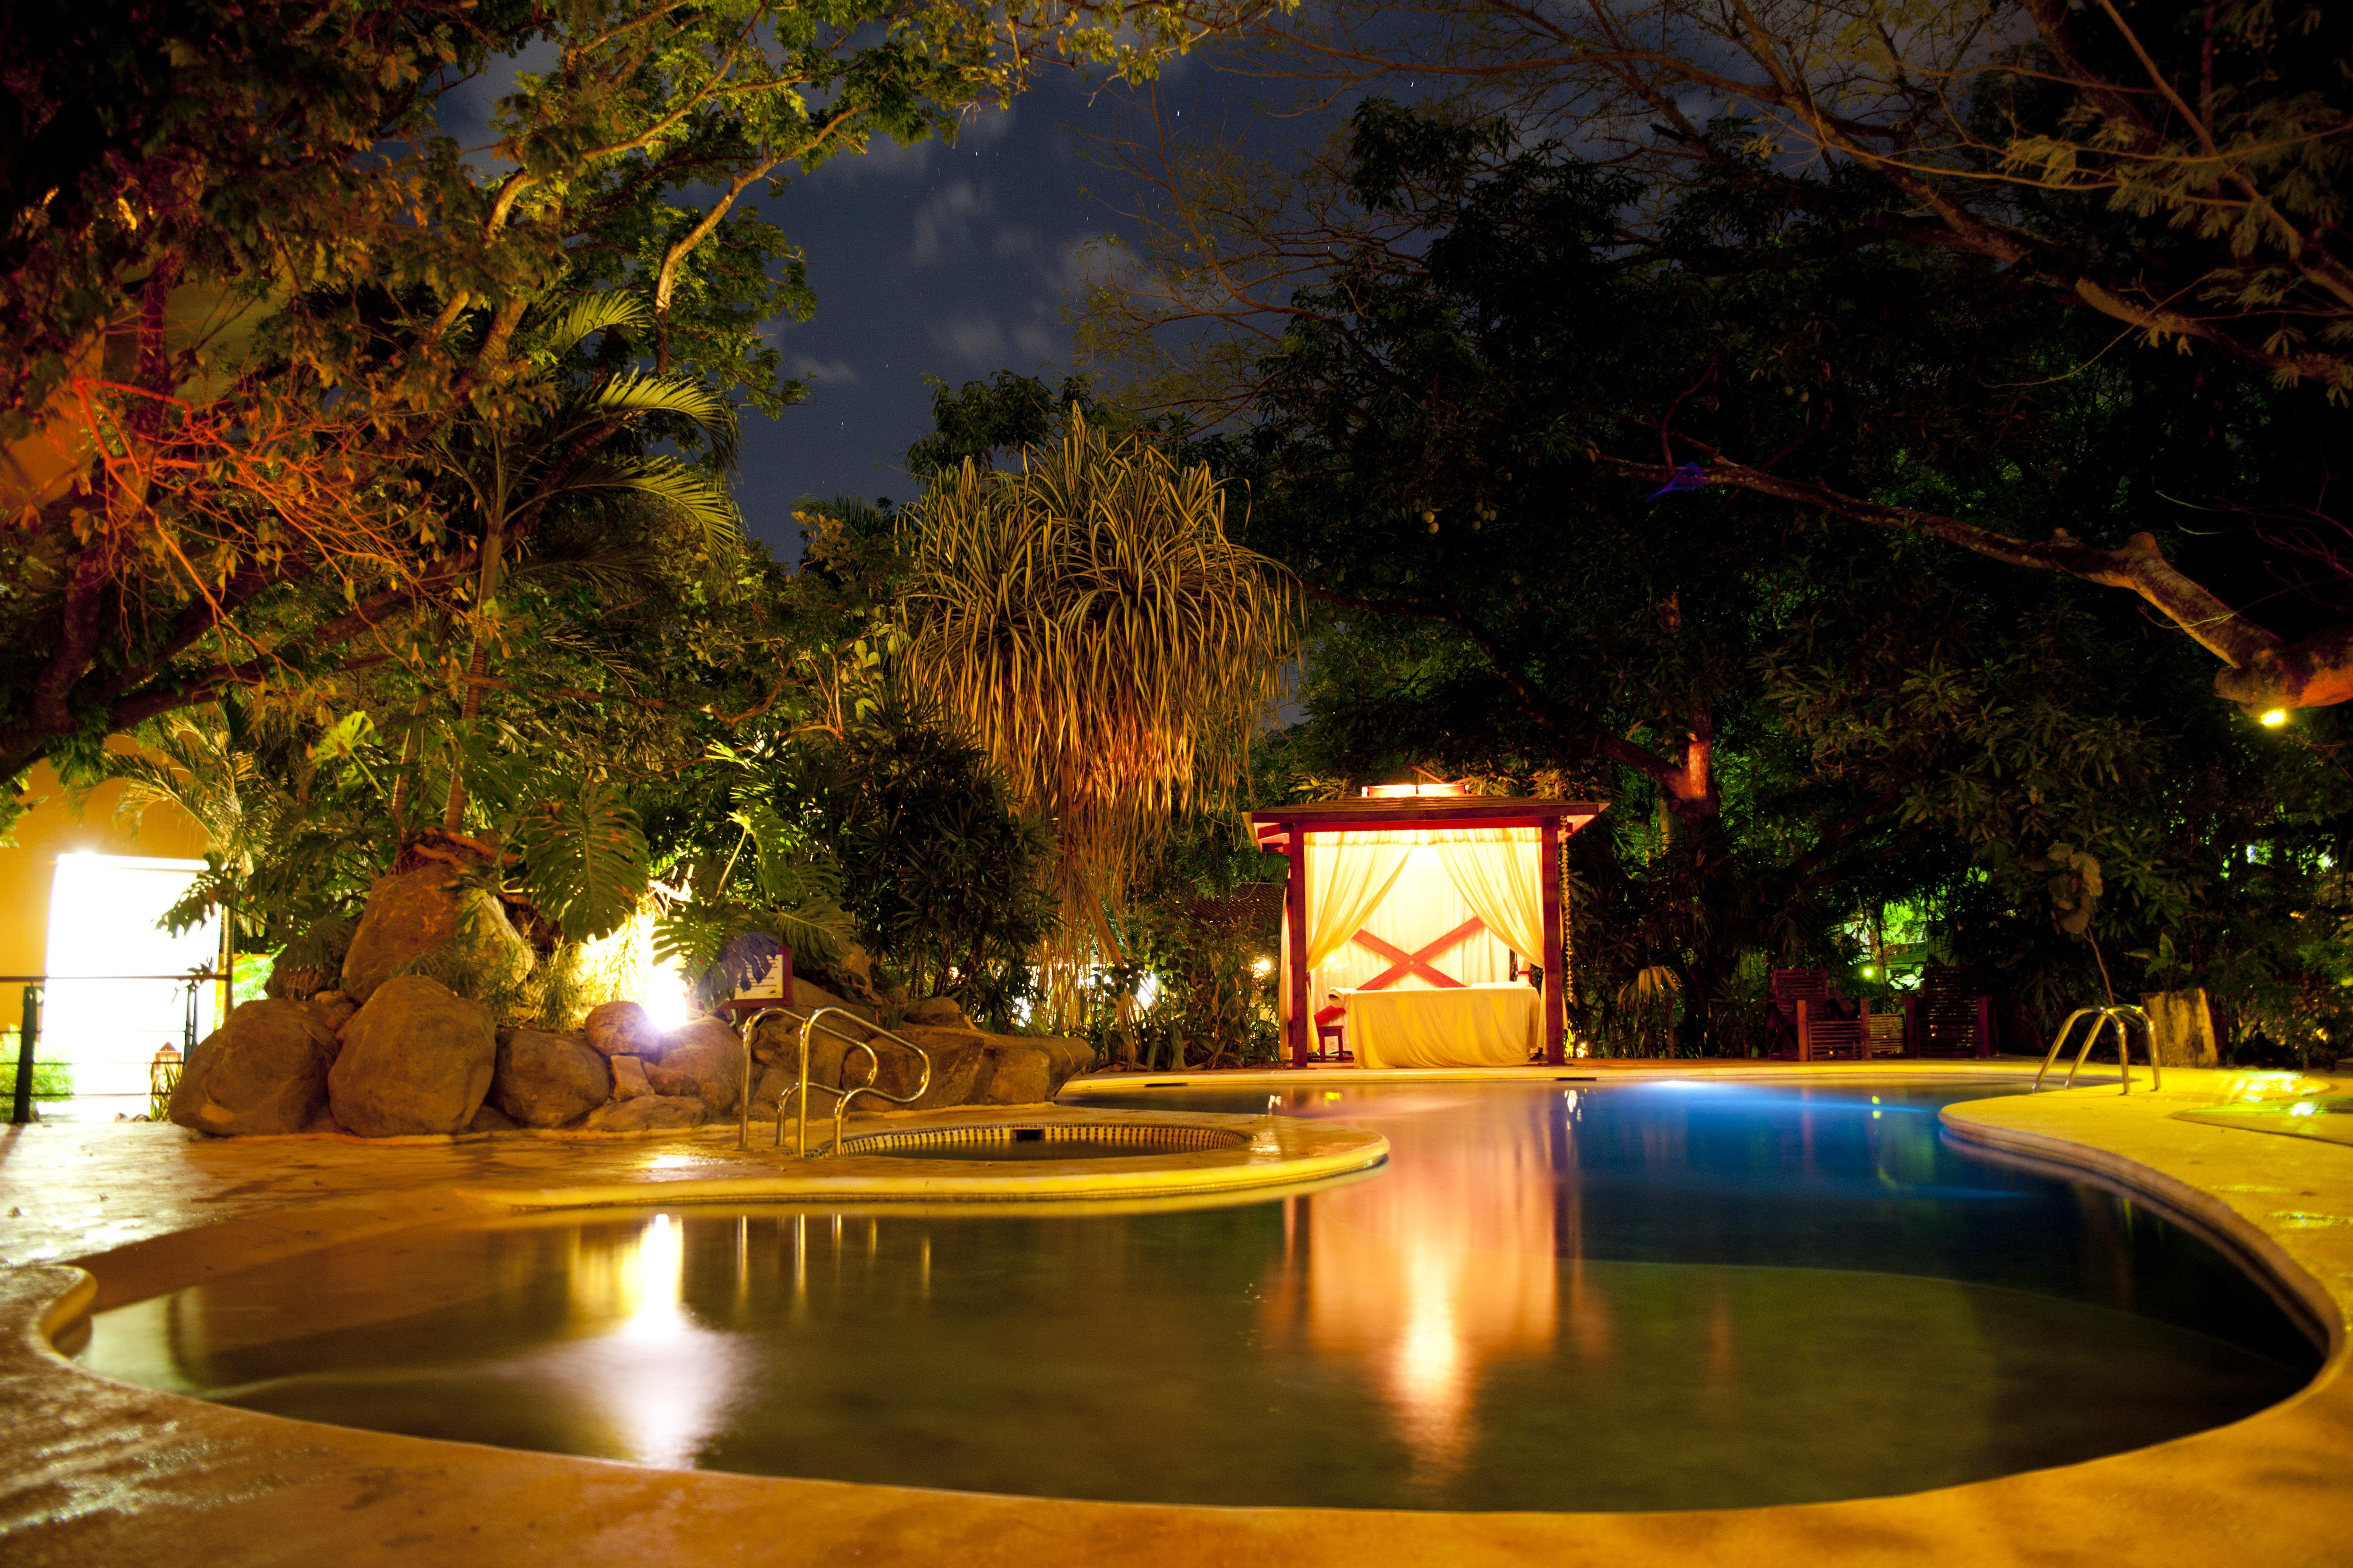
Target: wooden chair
x=1810, y=989
x=1330, y=1031
x=1833, y=1038
x=1949, y=1016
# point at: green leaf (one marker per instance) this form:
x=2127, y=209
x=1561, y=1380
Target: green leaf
x=584, y=862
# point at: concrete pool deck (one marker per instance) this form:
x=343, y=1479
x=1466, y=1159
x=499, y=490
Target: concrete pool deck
x=101, y=1472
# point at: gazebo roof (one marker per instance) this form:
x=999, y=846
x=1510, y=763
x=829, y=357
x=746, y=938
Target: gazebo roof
x=1433, y=812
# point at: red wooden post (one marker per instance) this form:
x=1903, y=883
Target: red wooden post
x=1985, y=1025
x=1555, y=998
x=1294, y=936
x=1805, y=1029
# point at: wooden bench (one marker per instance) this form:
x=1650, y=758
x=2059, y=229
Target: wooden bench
x=1814, y=1021
x=1949, y=1016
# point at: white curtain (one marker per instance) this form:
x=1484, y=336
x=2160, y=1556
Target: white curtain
x=1348, y=877
x=1500, y=873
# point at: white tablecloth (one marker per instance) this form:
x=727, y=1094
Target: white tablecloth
x=1459, y=1027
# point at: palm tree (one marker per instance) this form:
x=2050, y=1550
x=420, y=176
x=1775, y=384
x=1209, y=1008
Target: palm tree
x=507, y=477
x=1088, y=621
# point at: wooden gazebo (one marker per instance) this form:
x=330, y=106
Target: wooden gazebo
x=1496, y=857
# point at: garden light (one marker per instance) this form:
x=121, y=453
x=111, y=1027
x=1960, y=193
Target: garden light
x=2274, y=717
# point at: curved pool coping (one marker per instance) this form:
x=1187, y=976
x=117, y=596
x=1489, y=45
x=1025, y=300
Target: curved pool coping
x=103, y=1471
x=1280, y=1152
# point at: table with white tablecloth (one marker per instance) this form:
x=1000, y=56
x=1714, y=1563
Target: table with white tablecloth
x=1450, y=1027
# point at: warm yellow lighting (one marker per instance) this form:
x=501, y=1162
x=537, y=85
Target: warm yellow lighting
x=2274, y=717
x=1262, y=966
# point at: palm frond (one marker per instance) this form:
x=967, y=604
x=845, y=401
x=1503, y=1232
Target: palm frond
x=684, y=396
x=686, y=492
x=586, y=314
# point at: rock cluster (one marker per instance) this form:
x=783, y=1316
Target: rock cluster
x=397, y=1055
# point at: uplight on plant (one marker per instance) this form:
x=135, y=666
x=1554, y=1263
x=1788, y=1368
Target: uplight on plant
x=2274, y=717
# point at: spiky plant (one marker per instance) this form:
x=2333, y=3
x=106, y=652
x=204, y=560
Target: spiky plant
x=1111, y=649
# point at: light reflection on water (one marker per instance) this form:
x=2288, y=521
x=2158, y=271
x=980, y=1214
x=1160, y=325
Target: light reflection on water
x=1653, y=1297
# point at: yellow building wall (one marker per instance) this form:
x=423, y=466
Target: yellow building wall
x=52, y=828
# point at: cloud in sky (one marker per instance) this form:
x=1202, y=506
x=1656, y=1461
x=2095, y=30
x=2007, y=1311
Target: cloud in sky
x=971, y=336
x=825, y=373
x=945, y=222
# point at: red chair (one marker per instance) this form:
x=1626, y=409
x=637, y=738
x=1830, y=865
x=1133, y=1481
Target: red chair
x=1330, y=1031
x=1804, y=1005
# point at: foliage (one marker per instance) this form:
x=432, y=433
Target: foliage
x=946, y=879
x=229, y=340
x=1794, y=718
x=1109, y=646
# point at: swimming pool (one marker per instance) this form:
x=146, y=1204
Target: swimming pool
x=1560, y=1297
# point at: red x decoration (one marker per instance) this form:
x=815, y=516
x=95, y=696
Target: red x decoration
x=1403, y=964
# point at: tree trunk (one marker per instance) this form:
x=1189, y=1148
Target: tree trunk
x=453, y=815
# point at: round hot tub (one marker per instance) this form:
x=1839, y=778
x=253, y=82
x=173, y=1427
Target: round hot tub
x=1047, y=1140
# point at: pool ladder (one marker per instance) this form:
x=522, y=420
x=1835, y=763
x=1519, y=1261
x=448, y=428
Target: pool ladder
x=842, y=1097
x=2120, y=1016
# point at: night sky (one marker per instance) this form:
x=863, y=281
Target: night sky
x=948, y=260
x=951, y=262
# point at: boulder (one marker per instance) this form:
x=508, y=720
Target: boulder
x=957, y=1058
x=334, y=1009
x=491, y=1119
x=776, y=1082
x=622, y=1029
x=546, y=1080
x=809, y=997
x=1029, y=1072
x=777, y=1041
x=646, y=1113
x=938, y=1013
x=416, y=1058
x=704, y=1031
x=425, y=921
x=630, y=1078
x=264, y=1071
x=704, y=1060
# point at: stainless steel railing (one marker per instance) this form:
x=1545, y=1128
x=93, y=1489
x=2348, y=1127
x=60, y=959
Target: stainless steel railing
x=2119, y=1016
x=842, y=1097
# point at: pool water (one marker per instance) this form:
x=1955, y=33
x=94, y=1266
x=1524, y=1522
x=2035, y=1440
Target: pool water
x=1555, y=1297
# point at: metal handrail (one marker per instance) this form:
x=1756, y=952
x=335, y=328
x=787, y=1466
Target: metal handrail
x=842, y=1097
x=2118, y=1014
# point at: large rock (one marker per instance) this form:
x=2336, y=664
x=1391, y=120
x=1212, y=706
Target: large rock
x=809, y=997
x=423, y=921
x=622, y=1029
x=546, y=1080
x=938, y=1013
x=264, y=1071
x=648, y=1113
x=334, y=1009
x=957, y=1057
x=416, y=1058
x=630, y=1078
x=777, y=1041
x=1029, y=1072
x=705, y=1059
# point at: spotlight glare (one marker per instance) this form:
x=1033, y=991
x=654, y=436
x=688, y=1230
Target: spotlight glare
x=2274, y=717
